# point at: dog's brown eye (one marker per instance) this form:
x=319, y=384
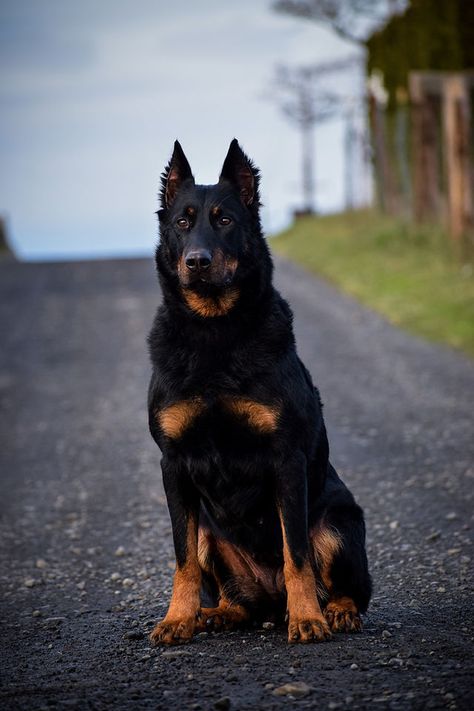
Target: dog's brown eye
x=182, y=223
x=224, y=221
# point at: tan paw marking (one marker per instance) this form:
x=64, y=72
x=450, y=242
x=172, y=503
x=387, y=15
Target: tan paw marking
x=308, y=630
x=173, y=631
x=342, y=615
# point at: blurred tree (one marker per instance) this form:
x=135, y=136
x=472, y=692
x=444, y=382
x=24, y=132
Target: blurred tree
x=422, y=130
x=429, y=35
x=351, y=19
x=4, y=243
x=306, y=102
x=3, y=236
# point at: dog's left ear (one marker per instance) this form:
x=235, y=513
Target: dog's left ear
x=239, y=170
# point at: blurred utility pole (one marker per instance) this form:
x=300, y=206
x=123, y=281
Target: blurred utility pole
x=308, y=165
x=306, y=103
x=350, y=156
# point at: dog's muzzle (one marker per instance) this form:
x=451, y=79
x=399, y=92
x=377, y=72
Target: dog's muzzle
x=198, y=260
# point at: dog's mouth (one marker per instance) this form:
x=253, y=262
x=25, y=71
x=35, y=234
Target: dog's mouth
x=208, y=286
x=210, y=299
x=213, y=280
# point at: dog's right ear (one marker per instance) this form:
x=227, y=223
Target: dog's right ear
x=175, y=174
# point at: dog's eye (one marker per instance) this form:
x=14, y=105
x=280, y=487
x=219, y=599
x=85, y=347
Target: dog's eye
x=183, y=223
x=225, y=221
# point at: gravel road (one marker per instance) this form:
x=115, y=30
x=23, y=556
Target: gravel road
x=86, y=557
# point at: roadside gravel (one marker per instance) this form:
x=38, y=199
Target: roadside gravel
x=85, y=541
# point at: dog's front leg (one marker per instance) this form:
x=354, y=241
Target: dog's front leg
x=183, y=503
x=306, y=622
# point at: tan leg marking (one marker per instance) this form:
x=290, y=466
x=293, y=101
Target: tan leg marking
x=306, y=622
x=204, y=550
x=326, y=543
x=208, y=306
x=342, y=615
x=180, y=621
x=175, y=419
x=263, y=418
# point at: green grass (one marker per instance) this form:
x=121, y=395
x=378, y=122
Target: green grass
x=406, y=272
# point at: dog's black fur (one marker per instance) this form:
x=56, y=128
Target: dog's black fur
x=261, y=520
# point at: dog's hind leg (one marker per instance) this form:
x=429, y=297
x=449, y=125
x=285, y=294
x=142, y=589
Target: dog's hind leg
x=339, y=547
x=224, y=574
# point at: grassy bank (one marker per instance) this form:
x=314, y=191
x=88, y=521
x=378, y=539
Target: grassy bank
x=405, y=272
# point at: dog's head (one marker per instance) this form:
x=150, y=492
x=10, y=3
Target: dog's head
x=209, y=234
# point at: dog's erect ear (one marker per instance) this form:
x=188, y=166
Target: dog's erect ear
x=239, y=170
x=175, y=174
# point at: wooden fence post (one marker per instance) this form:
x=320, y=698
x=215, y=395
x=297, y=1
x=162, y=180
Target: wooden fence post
x=427, y=178
x=456, y=124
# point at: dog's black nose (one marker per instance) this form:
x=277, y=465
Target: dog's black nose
x=199, y=260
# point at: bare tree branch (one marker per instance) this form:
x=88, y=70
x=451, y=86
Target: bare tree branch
x=305, y=101
x=301, y=96
x=352, y=20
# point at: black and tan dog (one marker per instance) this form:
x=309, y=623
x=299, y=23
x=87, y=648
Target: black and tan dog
x=261, y=521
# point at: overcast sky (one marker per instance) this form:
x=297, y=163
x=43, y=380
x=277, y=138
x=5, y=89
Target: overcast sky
x=93, y=95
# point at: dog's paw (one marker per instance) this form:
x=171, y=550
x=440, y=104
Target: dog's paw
x=315, y=629
x=213, y=619
x=342, y=616
x=226, y=617
x=173, y=631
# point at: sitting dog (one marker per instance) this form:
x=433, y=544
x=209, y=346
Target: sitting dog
x=262, y=524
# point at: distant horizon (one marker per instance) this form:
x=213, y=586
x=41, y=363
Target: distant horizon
x=125, y=252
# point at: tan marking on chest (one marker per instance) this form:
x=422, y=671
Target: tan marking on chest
x=263, y=418
x=175, y=419
x=207, y=306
